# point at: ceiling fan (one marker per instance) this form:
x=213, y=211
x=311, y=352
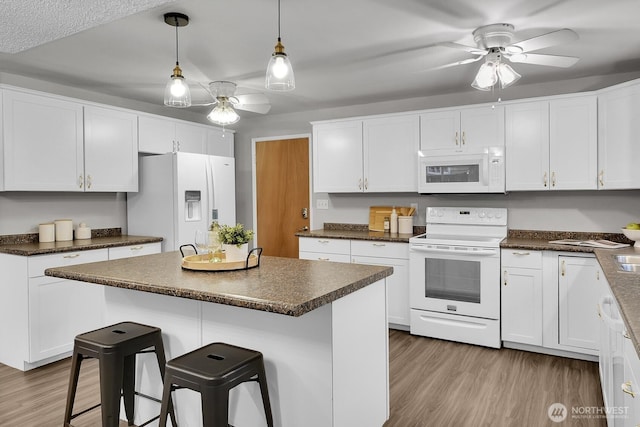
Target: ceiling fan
x=228, y=97
x=495, y=44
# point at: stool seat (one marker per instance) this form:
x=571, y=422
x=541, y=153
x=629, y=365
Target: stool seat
x=115, y=347
x=213, y=370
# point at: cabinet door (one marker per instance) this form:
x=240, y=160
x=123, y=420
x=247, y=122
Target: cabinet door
x=219, y=143
x=440, y=130
x=482, y=127
x=391, y=154
x=156, y=135
x=397, y=287
x=521, y=305
x=337, y=157
x=527, y=146
x=110, y=150
x=630, y=386
x=191, y=138
x=618, y=130
x=43, y=143
x=579, y=291
x=573, y=144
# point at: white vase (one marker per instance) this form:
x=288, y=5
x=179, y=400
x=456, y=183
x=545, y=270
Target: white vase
x=235, y=253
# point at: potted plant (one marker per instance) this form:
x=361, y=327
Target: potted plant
x=235, y=241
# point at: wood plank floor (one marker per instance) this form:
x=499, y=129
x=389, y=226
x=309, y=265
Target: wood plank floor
x=432, y=383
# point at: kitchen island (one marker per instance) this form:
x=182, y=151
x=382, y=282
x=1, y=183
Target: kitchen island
x=321, y=326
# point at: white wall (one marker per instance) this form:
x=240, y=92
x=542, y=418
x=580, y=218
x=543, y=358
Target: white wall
x=569, y=211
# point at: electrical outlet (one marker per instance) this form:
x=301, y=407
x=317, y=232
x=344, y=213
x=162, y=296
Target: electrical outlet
x=322, y=204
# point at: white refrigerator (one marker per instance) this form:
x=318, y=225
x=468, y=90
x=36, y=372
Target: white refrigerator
x=180, y=193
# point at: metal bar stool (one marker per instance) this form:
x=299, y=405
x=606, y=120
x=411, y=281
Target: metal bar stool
x=115, y=347
x=213, y=370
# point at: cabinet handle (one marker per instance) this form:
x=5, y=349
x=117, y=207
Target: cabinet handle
x=601, y=178
x=544, y=178
x=553, y=179
x=626, y=388
x=599, y=309
x=360, y=184
x=504, y=276
x=80, y=181
x=463, y=138
x=521, y=253
x=626, y=335
x=136, y=248
x=456, y=138
x=88, y=181
x=324, y=242
x=366, y=183
x=597, y=274
x=323, y=259
x=379, y=244
x=562, y=268
x=71, y=256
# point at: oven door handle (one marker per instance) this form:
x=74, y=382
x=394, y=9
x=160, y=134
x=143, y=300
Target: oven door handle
x=481, y=252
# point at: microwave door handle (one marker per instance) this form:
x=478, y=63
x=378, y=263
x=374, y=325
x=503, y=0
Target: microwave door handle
x=483, y=252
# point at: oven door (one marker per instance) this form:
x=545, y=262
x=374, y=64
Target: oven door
x=455, y=280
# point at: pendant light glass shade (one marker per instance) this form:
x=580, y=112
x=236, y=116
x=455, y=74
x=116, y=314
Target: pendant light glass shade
x=279, y=71
x=486, y=77
x=177, y=93
x=507, y=75
x=223, y=113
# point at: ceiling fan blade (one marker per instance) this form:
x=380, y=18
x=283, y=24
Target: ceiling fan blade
x=470, y=49
x=254, y=108
x=540, y=42
x=252, y=98
x=539, y=59
x=453, y=64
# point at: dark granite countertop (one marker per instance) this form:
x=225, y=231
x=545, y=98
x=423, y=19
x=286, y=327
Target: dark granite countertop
x=625, y=287
x=29, y=248
x=287, y=286
x=537, y=240
x=358, y=232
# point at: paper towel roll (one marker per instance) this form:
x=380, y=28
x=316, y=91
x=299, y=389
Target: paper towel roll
x=47, y=232
x=64, y=230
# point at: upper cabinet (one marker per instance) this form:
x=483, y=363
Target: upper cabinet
x=53, y=144
x=552, y=144
x=159, y=135
x=371, y=155
x=618, y=132
x=476, y=127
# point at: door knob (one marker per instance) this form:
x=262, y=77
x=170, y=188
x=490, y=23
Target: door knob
x=305, y=228
x=305, y=213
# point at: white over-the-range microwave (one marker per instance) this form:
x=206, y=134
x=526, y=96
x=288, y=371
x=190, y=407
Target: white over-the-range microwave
x=471, y=171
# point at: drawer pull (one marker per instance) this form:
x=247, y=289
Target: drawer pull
x=323, y=259
x=137, y=248
x=324, y=242
x=521, y=253
x=626, y=388
x=379, y=244
x=71, y=256
x=626, y=335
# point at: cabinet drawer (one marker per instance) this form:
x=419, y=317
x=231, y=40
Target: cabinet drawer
x=135, y=250
x=521, y=258
x=330, y=246
x=319, y=256
x=38, y=264
x=379, y=249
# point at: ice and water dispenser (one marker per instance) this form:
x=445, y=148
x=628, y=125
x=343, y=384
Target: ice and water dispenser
x=192, y=205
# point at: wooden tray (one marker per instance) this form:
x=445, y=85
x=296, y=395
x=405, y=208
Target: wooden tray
x=203, y=262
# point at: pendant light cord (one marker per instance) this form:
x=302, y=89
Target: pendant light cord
x=176, y=20
x=278, y=20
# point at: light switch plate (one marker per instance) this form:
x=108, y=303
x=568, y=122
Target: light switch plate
x=322, y=204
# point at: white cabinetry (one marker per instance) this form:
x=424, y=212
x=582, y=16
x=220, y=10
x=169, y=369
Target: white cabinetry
x=618, y=130
x=372, y=155
x=336, y=250
x=630, y=385
x=55, y=144
x=394, y=255
x=135, y=250
x=477, y=127
x=552, y=144
x=521, y=300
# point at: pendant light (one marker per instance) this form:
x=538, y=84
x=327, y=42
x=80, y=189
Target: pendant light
x=176, y=93
x=279, y=71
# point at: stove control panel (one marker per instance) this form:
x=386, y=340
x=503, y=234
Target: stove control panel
x=471, y=216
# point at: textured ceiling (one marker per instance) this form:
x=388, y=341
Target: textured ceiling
x=28, y=23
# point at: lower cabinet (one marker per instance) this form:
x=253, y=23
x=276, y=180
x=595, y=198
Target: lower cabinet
x=630, y=386
x=389, y=254
x=549, y=301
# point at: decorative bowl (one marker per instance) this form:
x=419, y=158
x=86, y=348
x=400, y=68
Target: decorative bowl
x=632, y=235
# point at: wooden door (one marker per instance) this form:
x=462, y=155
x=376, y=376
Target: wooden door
x=282, y=192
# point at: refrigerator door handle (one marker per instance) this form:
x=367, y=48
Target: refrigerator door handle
x=211, y=201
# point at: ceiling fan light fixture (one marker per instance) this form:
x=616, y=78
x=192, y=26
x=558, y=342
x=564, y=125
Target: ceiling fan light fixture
x=486, y=76
x=507, y=75
x=223, y=113
x=279, y=76
x=177, y=93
